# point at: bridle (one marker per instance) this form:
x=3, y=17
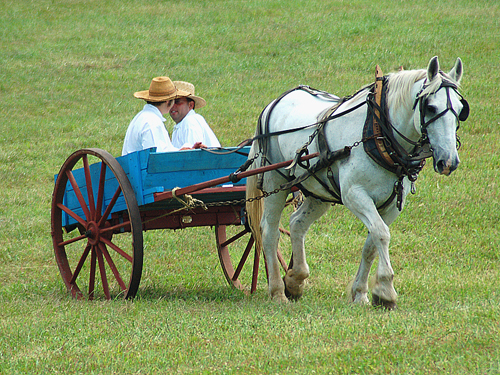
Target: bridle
x=422, y=102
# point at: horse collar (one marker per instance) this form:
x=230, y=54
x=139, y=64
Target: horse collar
x=381, y=145
x=378, y=136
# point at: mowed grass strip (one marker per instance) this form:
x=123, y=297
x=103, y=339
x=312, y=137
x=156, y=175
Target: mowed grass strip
x=69, y=69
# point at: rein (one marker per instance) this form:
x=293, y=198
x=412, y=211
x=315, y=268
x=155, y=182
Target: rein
x=378, y=140
x=326, y=157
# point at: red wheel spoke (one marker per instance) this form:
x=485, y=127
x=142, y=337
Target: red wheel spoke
x=72, y=214
x=282, y=261
x=79, y=238
x=100, y=192
x=117, y=249
x=92, y=275
x=76, y=292
x=102, y=271
x=110, y=206
x=243, y=259
x=79, y=195
x=117, y=226
x=90, y=192
x=285, y=231
x=80, y=264
x=255, y=272
x=234, y=238
x=267, y=269
x=112, y=266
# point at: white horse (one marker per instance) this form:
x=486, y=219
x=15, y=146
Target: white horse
x=419, y=113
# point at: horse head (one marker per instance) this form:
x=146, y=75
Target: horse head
x=440, y=110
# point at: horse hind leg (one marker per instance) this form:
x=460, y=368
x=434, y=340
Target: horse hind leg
x=308, y=212
x=273, y=207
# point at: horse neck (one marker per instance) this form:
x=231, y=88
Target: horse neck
x=404, y=118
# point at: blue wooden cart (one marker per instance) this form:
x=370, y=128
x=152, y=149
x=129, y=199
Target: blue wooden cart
x=101, y=205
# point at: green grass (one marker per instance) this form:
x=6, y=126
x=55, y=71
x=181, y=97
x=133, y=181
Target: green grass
x=69, y=69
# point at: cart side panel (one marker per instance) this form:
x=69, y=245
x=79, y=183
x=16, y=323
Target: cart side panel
x=135, y=166
x=150, y=172
x=195, y=160
x=181, y=169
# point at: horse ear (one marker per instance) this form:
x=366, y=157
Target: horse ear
x=432, y=68
x=457, y=71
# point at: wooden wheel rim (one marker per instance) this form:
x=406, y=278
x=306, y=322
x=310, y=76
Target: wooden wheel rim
x=95, y=240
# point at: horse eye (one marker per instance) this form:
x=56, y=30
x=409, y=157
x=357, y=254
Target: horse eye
x=431, y=110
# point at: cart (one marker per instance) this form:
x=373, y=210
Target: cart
x=101, y=205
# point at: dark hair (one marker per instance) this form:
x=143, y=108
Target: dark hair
x=157, y=104
x=188, y=100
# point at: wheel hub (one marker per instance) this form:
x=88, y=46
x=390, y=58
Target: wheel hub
x=93, y=233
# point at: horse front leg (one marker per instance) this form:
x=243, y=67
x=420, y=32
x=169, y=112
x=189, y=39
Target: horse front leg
x=300, y=221
x=383, y=292
x=359, y=287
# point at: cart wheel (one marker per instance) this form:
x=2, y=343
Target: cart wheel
x=111, y=244
x=234, y=253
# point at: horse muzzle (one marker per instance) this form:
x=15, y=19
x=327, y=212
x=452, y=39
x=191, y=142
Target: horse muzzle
x=446, y=166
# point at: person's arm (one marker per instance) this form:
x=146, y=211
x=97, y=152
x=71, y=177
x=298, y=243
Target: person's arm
x=195, y=146
x=191, y=135
x=155, y=135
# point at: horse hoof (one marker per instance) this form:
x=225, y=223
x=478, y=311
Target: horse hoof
x=280, y=299
x=380, y=302
x=295, y=296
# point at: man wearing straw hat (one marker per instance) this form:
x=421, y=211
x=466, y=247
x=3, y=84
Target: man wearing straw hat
x=190, y=126
x=147, y=129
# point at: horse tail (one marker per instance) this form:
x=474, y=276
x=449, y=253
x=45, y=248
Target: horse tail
x=255, y=208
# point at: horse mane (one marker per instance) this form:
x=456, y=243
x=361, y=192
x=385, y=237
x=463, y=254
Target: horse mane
x=401, y=83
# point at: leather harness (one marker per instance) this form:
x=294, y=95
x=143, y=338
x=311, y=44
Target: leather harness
x=378, y=141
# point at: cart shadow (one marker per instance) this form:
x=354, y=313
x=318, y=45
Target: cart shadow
x=151, y=293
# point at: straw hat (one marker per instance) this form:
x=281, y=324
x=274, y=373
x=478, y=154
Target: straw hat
x=160, y=90
x=188, y=88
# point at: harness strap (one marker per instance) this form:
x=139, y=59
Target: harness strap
x=262, y=133
x=265, y=133
x=329, y=114
x=326, y=157
x=325, y=160
x=377, y=131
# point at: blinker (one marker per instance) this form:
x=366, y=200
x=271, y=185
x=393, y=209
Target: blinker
x=464, y=113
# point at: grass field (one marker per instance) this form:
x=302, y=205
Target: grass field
x=68, y=72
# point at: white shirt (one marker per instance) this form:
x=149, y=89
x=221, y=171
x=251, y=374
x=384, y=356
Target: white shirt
x=147, y=130
x=193, y=128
